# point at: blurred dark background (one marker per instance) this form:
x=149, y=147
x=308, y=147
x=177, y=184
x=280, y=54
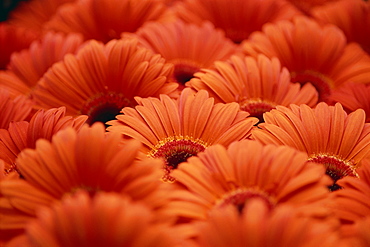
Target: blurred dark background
x=6, y=6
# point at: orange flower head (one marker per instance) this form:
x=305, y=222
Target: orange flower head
x=238, y=18
x=258, y=85
x=185, y=45
x=108, y=219
x=247, y=170
x=324, y=59
x=326, y=133
x=178, y=129
x=90, y=17
x=102, y=79
x=23, y=134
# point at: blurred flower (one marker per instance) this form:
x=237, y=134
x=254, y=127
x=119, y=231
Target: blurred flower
x=312, y=53
x=326, y=133
x=102, y=79
x=258, y=85
x=178, y=129
x=306, y=6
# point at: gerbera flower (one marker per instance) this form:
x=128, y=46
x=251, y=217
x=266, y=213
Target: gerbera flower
x=256, y=225
x=351, y=16
x=30, y=64
x=89, y=160
x=258, y=85
x=13, y=38
x=23, y=134
x=34, y=14
x=186, y=47
x=324, y=59
x=101, y=79
x=353, y=96
x=326, y=134
x=105, y=220
x=178, y=129
x=17, y=109
x=276, y=175
x=90, y=17
x=237, y=18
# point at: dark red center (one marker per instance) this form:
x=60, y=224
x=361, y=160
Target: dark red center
x=256, y=108
x=184, y=71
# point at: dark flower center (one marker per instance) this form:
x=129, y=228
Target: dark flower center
x=184, y=71
x=175, y=152
x=105, y=106
x=256, y=108
x=322, y=83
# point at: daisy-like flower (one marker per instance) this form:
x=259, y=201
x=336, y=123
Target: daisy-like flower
x=90, y=18
x=276, y=175
x=178, y=129
x=352, y=17
x=30, y=64
x=102, y=79
x=13, y=38
x=353, y=96
x=324, y=59
x=258, y=85
x=90, y=160
x=105, y=220
x=256, y=225
x=238, y=18
x=17, y=109
x=23, y=134
x=327, y=134
x=186, y=47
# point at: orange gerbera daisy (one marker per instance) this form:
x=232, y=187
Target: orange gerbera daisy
x=105, y=220
x=238, y=18
x=89, y=160
x=178, y=129
x=326, y=133
x=324, y=59
x=17, y=109
x=353, y=96
x=106, y=20
x=13, y=38
x=101, y=79
x=30, y=64
x=258, y=85
x=186, y=47
x=21, y=135
x=274, y=174
x=351, y=16
x=256, y=225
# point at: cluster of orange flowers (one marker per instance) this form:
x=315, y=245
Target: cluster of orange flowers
x=185, y=123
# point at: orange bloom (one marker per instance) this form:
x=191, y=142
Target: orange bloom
x=21, y=135
x=312, y=53
x=276, y=175
x=256, y=225
x=30, y=64
x=351, y=16
x=101, y=79
x=186, y=47
x=105, y=220
x=326, y=133
x=306, y=6
x=17, y=109
x=106, y=20
x=353, y=96
x=13, y=38
x=237, y=18
x=89, y=160
x=178, y=129
x=258, y=85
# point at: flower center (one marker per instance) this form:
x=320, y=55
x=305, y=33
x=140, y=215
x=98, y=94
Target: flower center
x=184, y=71
x=322, y=83
x=105, y=106
x=175, y=151
x=256, y=108
x=241, y=196
x=336, y=168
